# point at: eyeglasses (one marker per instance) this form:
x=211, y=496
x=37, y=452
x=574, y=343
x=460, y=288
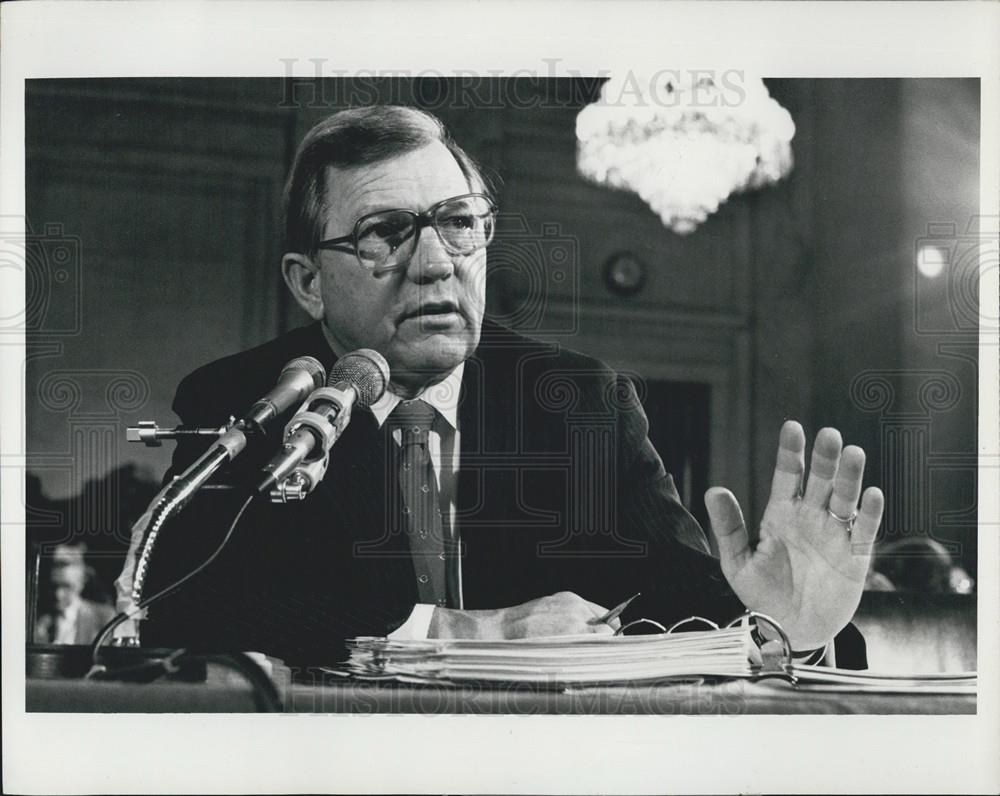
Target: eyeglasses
x=387, y=239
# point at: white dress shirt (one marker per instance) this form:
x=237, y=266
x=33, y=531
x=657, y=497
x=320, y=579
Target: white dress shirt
x=61, y=626
x=443, y=446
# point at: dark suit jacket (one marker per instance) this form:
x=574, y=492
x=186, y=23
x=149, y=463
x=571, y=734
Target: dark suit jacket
x=559, y=489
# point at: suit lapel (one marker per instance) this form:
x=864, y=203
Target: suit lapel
x=360, y=502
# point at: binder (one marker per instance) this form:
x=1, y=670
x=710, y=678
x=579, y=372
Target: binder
x=733, y=652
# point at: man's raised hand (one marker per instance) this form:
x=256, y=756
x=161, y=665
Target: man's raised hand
x=808, y=568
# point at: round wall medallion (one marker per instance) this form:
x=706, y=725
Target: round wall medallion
x=624, y=274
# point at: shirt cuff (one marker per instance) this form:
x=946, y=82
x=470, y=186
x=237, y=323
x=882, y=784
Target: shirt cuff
x=417, y=625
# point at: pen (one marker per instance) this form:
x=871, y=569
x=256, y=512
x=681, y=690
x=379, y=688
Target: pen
x=615, y=612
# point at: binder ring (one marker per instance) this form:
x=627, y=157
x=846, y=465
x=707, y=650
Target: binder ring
x=785, y=643
x=620, y=631
x=692, y=619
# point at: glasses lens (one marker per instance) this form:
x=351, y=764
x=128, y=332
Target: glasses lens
x=383, y=238
x=465, y=224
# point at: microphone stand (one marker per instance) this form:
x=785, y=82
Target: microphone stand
x=179, y=492
x=295, y=379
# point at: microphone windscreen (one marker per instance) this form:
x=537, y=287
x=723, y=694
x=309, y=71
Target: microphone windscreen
x=366, y=371
x=310, y=365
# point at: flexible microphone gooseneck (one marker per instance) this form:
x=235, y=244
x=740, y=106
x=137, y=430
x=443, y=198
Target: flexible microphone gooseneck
x=296, y=380
x=359, y=378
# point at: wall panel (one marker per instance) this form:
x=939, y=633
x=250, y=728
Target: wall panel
x=171, y=206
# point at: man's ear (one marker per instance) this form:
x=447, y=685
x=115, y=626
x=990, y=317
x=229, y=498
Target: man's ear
x=303, y=278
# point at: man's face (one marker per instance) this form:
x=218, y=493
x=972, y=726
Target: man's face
x=424, y=317
x=67, y=584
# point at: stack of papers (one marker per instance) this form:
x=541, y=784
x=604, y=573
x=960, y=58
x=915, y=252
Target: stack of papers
x=561, y=661
x=557, y=660
x=822, y=678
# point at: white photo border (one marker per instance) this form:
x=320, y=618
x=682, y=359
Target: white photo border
x=265, y=754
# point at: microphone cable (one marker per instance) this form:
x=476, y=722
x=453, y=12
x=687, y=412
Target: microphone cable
x=265, y=694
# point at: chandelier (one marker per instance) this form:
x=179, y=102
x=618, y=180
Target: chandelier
x=684, y=145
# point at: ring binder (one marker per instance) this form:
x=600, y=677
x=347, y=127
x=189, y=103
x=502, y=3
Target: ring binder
x=726, y=652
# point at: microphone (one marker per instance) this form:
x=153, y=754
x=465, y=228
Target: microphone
x=359, y=378
x=295, y=381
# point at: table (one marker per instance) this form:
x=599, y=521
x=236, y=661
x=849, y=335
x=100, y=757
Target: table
x=732, y=698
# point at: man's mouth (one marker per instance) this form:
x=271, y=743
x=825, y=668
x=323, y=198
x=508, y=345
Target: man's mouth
x=432, y=309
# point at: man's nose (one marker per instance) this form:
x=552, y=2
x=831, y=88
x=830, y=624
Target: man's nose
x=431, y=260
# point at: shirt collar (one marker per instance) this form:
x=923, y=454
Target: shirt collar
x=443, y=396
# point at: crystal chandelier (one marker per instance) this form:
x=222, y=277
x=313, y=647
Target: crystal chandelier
x=684, y=145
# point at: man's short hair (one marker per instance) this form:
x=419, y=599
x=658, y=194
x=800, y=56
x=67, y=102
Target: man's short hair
x=356, y=137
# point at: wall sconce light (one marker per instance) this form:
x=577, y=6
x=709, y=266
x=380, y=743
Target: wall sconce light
x=624, y=274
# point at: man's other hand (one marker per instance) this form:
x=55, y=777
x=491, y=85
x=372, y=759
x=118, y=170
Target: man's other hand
x=560, y=614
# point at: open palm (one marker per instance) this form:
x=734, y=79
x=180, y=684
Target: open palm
x=808, y=569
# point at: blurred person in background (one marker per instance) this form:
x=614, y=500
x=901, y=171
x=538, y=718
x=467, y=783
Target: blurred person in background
x=922, y=564
x=66, y=616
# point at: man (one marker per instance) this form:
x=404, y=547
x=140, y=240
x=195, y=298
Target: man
x=71, y=618
x=503, y=487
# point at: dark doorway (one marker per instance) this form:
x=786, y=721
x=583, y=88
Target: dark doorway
x=678, y=415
